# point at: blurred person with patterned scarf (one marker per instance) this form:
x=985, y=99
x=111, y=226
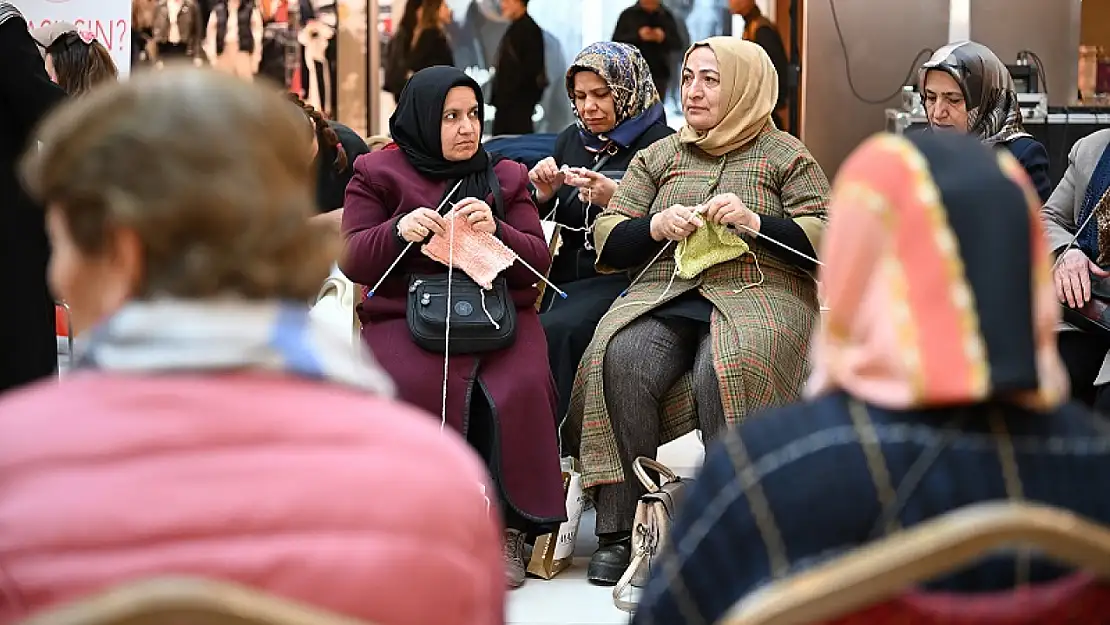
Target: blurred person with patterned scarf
x=619, y=113
x=967, y=89
x=936, y=386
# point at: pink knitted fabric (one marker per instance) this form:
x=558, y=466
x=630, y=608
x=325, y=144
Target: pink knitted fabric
x=480, y=255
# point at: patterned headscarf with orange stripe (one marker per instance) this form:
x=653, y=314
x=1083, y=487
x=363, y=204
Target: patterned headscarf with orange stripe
x=937, y=278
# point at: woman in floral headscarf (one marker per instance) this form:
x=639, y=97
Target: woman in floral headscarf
x=967, y=89
x=619, y=114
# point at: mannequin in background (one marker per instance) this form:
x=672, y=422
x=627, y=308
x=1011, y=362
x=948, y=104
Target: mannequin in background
x=320, y=18
x=177, y=28
x=520, y=77
x=233, y=43
x=316, y=38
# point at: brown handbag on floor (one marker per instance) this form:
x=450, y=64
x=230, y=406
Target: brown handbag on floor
x=652, y=528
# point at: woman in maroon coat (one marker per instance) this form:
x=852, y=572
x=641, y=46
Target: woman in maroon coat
x=502, y=401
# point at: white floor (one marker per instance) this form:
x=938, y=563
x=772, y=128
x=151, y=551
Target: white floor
x=569, y=599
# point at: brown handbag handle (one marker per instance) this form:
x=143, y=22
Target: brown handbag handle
x=643, y=463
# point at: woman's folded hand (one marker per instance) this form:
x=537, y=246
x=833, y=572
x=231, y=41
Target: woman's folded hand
x=547, y=178
x=417, y=225
x=675, y=223
x=1073, y=278
x=593, y=187
x=729, y=210
x=478, y=214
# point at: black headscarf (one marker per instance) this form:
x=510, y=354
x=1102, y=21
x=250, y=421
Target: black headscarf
x=415, y=128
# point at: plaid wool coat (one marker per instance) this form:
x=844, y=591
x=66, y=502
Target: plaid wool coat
x=760, y=334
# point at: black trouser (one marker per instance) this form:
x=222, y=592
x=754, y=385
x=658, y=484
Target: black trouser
x=642, y=363
x=1083, y=354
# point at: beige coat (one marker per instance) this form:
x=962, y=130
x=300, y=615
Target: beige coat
x=1059, y=212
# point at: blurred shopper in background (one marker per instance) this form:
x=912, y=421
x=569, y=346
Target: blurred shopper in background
x=74, y=59
x=758, y=29
x=28, y=346
x=210, y=428
x=520, y=77
x=650, y=27
x=430, y=45
x=395, y=66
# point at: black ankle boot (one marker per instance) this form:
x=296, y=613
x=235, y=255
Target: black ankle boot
x=609, y=562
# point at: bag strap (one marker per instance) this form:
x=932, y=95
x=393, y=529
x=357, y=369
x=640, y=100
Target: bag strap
x=601, y=162
x=495, y=189
x=640, y=466
x=625, y=583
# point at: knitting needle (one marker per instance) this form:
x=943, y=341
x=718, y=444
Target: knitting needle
x=778, y=243
x=397, y=260
x=700, y=209
x=697, y=211
x=542, y=277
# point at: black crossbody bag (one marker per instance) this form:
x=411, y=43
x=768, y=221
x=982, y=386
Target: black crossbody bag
x=481, y=320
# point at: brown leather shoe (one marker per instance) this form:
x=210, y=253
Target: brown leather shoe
x=514, y=558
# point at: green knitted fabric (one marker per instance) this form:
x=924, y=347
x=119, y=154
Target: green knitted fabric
x=711, y=244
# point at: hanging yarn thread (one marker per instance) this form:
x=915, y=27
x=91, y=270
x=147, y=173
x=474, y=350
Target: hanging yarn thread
x=447, y=322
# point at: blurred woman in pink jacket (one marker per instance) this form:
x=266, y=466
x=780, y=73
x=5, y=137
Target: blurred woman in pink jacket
x=210, y=429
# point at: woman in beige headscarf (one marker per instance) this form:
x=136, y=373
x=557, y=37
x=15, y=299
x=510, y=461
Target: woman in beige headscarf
x=717, y=323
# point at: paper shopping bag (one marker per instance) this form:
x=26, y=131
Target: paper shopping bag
x=554, y=552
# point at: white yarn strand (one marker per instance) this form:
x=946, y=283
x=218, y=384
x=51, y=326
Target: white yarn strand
x=447, y=321
x=482, y=295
